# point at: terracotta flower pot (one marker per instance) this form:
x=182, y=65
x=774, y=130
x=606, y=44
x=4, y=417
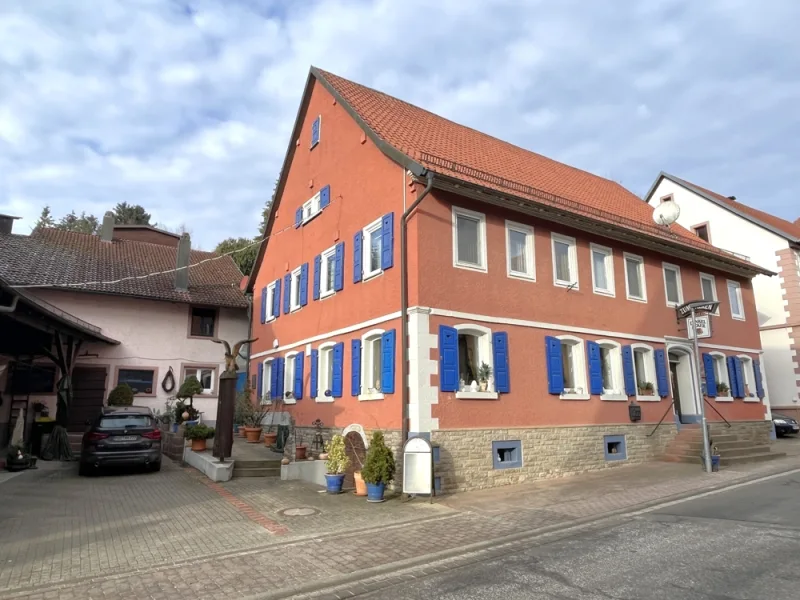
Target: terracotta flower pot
x=198, y=445
x=270, y=438
x=253, y=434
x=361, y=485
x=299, y=452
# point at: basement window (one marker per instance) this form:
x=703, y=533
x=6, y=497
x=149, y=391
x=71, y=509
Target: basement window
x=614, y=447
x=507, y=454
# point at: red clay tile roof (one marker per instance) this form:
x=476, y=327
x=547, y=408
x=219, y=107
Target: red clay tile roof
x=58, y=258
x=791, y=229
x=456, y=150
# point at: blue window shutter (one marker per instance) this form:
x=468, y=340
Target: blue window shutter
x=759, y=381
x=595, y=368
x=355, y=368
x=387, y=241
x=276, y=299
x=287, y=296
x=711, y=378
x=737, y=363
x=387, y=361
x=273, y=379
x=304, y=284
x=627, y=371
x=263, y=305
x=338, y=360
x=448, y=359
x=260, y=381
x=279, y=376
x=315, y=127
x=299, y=361
x=314, y=369
x=502, y=381
x=338, y=270
x=317, y=275
x=357, y=256
x=661, y=373
x=325, y=196
x=298, y=217
x=734, y=385
x=555, y=368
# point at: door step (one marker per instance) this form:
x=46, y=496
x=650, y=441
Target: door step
x=257, y=468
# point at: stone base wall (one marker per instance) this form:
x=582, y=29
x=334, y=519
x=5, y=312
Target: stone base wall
x=758, y=432
x=172, y=444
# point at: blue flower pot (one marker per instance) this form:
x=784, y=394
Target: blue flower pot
x=174, y=428
x=375, y=492
x=235, y=428
x=334, y=483
x=715, y=462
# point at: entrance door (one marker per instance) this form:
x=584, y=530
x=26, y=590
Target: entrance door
x=676, y=390
x=680, y=370
x=88, y=392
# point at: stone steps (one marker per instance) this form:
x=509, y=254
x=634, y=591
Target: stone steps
x=256, y=468
x=687, y=447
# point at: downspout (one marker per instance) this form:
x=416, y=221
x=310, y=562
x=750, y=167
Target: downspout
x=404, y=302
x=12, y=307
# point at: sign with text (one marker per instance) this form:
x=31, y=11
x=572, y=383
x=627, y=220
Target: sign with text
x=700, y=327
x=700, y=307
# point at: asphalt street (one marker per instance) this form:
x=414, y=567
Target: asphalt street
x=740, y=544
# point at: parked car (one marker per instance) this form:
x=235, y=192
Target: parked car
x=784, y=425
x=121, y=436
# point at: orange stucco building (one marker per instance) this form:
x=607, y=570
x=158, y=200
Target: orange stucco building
x=539, y=299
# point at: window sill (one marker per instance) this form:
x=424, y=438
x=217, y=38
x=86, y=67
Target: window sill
x=328, y=294
x=724, y=398
x=324, y=399
x=606, y=293
x=469, y=267
x=648, y=398
x=290, y=401
x=753, y=400
x=510, y=465
x=566, y=284
x=375, y=396
x=522, y=276
x=192, y=336
x=639, y=300
x=477, y=395
x=373, y=275
x=614, y=397
x=574, y=396
x=295, y=308
x=738, y=318
x=269, y=320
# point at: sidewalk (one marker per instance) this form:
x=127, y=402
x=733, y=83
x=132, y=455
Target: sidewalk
x=465, y=522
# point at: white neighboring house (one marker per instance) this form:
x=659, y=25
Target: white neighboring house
x=770, y=242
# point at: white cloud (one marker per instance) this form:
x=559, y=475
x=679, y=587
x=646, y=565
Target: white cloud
x=185, y=106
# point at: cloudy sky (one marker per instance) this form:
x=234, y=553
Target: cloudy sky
x=186, y=106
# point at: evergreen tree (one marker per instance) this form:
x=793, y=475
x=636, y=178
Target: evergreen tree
x=45, y=219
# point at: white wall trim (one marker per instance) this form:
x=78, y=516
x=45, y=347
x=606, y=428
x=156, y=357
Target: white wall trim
x=330, y=334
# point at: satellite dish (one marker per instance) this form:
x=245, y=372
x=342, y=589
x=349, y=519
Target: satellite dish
x=666, y=213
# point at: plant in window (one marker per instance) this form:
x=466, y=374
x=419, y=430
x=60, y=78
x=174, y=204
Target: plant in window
x=379, y=467
x=336, y=464
x=723, y=389
x=484, y=373
x=122, y=395
x=190, y=388
x=646, y=388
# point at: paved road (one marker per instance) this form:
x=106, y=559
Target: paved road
x=740, y=544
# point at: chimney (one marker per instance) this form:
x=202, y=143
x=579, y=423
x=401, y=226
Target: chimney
x=182, y=275
x=732, y=198
x=7, y=223
x=107, y=228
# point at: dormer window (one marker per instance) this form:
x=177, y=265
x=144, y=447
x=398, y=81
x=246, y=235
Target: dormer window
x=701, y=231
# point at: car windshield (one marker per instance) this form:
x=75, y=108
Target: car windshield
x=122, y=421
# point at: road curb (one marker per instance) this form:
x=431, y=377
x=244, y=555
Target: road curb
x=576, y=524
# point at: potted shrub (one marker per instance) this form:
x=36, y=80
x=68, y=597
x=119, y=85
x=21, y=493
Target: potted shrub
x=199, y=434
x=252, y=425
x=181, y=409
x=271, y=433
x=336, y=465
x=646, y=389
x=378, y=468
x=484, y=373
x=723, y=389
x=190, y=388
x=300, y=449
x=122, y=395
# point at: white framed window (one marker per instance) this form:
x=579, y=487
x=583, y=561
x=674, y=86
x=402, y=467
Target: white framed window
x=673, y=286
x=270, y=300
x=371, y=365
x=266, y=382
x=325, y=372
x=573, y=362
x=469, y=239
x=295, y=290
x=708, y=288
x=207, y=376
x=611, y=368
x=474, y=351
x=735, y=297
x=288, y=378
x=372, y=247
x=565, y=260
x=327, y=272
x=724, y=393
x=635, y=287
x=311, y=208
x=644, y=371
x=519, y=251
x=749, y=373
x=602, y=270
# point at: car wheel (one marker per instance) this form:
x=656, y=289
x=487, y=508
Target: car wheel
x=84, y=470
x=155, y=467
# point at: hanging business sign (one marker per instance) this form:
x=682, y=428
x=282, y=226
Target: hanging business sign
x=700, y=326
x=417, y=466
x=699, y=307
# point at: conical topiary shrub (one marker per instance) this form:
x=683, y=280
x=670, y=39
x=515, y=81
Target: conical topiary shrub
x=122, y=395
x=379, y=467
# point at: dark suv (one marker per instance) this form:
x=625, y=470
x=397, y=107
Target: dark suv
x=122, y=436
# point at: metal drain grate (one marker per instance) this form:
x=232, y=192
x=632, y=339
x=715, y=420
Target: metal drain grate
x=298, y=512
